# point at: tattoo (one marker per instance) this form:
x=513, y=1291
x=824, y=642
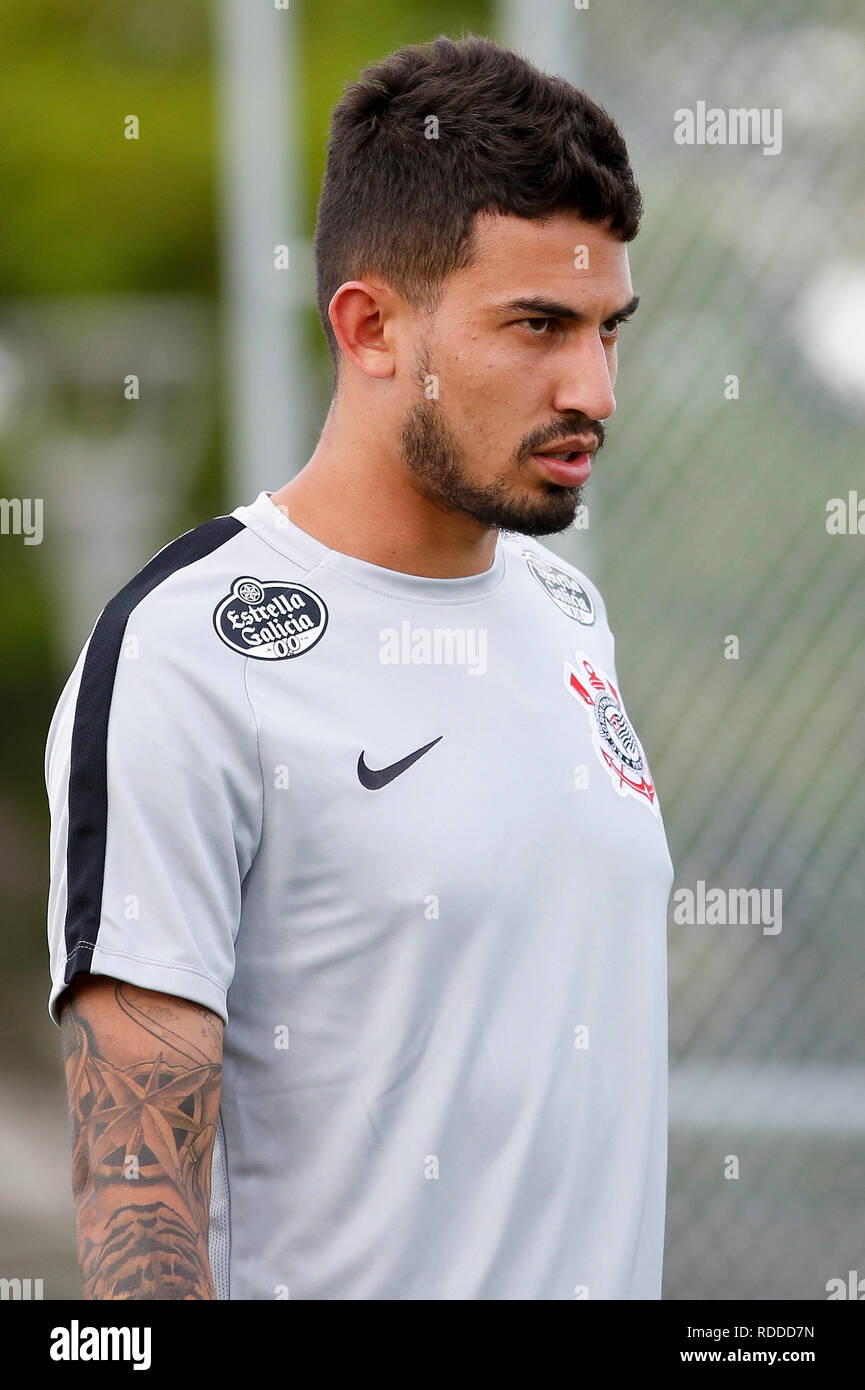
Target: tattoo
x=149, y=1252
x=142, y=1011
x=142, y=1137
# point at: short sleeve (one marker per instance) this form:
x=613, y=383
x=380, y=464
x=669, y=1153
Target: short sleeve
x=155, y=793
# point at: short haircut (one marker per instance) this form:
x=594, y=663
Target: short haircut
x=510, y=139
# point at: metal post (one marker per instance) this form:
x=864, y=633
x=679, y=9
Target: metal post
x=547, y=32
x=263, y=353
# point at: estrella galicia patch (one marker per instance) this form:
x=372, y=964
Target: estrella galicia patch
x=270, y=620
x=564, y=589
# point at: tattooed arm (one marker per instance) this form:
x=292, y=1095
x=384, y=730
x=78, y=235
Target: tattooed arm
x=143, y=1074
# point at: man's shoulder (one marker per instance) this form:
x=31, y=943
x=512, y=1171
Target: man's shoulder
x=152, y=658
x=159, y=625
x=176, y=597
x=184, y=568
x=217, y=595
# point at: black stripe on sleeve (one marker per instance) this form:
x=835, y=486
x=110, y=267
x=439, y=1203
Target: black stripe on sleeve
x=88, y=769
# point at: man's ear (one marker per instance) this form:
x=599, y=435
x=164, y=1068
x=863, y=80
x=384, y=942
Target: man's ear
x=358, y=313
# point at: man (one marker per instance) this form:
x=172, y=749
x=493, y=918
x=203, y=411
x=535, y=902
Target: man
x=359, y=882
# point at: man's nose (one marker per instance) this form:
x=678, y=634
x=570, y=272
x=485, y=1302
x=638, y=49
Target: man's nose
x=586, y=383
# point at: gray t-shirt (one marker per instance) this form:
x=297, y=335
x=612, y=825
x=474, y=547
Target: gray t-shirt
x=401, y=835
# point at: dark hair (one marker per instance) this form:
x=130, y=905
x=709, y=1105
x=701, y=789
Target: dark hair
x=510, y=139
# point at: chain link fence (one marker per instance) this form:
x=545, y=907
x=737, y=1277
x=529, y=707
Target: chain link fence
x=739, y=613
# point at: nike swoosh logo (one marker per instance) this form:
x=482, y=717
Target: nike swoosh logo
x=373, y=780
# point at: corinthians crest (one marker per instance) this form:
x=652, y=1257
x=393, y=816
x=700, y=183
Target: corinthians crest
x=613, y=735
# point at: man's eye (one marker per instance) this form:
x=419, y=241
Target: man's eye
x=533, y=324
x=610, y=329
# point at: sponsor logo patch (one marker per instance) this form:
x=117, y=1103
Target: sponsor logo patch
x=270, y=620
x=564, y=589
x=613, y=736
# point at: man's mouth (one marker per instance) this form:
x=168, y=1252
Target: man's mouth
x=567, y=467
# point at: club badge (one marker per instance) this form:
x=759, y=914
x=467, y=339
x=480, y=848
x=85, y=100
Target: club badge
x=613, y=736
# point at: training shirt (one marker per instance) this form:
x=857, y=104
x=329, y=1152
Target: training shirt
x=401, y=835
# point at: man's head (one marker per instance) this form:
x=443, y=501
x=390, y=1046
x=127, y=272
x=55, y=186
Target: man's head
x=472, y=268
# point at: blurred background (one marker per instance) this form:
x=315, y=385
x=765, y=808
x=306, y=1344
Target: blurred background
x=160, y=363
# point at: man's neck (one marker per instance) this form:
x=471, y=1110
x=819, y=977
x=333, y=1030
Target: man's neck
x=356, y=496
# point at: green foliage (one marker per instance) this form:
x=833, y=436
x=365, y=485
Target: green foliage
x=85, y=208
x=87, y=211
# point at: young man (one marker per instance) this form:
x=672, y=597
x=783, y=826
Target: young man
x=359, y=884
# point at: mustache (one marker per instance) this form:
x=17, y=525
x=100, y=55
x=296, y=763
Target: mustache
x=566, y=429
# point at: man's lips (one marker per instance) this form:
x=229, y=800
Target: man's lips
x=570, y=472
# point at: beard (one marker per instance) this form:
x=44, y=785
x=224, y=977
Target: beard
x=440, y=466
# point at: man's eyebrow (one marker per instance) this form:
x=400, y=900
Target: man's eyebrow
x=553, y=309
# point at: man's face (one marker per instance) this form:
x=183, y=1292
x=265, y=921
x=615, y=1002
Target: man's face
x=518, y=362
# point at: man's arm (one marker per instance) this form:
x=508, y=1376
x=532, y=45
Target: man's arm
x=144, y=1076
